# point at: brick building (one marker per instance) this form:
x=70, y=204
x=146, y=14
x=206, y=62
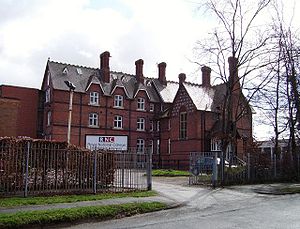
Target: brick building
x=171, y=118
x=19, y=111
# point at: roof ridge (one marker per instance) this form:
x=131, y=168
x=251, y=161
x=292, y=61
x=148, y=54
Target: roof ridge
x=73, y=65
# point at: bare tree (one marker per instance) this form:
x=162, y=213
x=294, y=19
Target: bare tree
x=240, y=38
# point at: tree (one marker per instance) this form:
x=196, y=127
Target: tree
x=240, y=38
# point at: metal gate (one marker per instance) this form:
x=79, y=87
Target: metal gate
x=203, y=168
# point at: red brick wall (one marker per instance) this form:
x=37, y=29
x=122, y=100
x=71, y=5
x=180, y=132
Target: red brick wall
x=28, y=109
x=9, y=109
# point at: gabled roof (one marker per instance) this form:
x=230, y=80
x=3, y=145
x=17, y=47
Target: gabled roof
x=86, y=76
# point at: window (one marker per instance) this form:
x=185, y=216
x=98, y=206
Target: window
x=94, y=98
x=183, y=125
x=140, y=145
x=48, y=95
x=118, y=101
x=140, y=124
x=169, y=146
x=141, y=104
x=151, y=146
x=79, y=71
x=48, y=118
x=118, y=122
x=157, y=126
x=93, y=119
x=215, y=144
x=151, y=107
x=157, y=146
x=169, y=124
x=151, y=125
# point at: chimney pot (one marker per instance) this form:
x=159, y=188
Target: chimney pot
x=182, y=78
x=139, y=71
x=162, y=73
x=206, y=76
x=104, y=66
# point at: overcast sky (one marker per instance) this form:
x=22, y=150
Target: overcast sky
x=77, y=31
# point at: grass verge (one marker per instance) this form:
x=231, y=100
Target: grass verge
x=20, y=201
x=169, y=172
x=289, y=190
x=22, y=219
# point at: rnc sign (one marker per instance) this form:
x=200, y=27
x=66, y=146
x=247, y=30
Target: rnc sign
x=106, y=142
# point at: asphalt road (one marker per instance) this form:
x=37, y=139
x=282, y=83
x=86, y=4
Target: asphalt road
x=237, y=207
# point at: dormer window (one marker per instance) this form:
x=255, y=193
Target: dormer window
x=141, y=104
x=79, y=71
x=65, y=71
x=94, y=98
x=48, y=95
x=118, y=101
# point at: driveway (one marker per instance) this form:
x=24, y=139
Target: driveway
x=202, y=207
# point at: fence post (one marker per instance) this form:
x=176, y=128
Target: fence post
x=248, y=167
x=26, y=169
x=95, y=173
x=149, y=170
x=215, y=170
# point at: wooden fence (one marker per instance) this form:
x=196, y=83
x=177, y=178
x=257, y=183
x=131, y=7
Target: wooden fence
x=29, y=167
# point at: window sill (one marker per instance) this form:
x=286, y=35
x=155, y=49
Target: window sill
x=121, y=108
x=94, y=104
x=118, y=128
x=94, y=127
x=140, y=130
x=141, y=110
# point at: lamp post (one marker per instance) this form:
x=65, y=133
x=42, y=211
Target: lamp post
x=72, y=87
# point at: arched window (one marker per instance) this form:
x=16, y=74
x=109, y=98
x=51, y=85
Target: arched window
x=182, y=123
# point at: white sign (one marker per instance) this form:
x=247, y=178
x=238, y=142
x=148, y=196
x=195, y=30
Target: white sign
x=106, y=142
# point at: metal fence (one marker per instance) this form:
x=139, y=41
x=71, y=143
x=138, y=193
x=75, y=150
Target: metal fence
x=30, y=169
x=255, y=168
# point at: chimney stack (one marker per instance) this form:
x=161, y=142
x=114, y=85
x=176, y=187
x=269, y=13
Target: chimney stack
x=104, y=66
x=139, y=71
x=233, y=74
x=206, y=76
x=162, y=73
x=181, y=78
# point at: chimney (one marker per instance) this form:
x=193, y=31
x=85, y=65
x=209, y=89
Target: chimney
x=162, y=73
x=206, y=76
x=233, y=74
x=104, y=66
x=181, y=78
x=139, y=71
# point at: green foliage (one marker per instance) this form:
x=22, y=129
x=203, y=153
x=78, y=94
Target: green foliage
x=235, y=170
x=19, y=201
x=21, y=219
x=169, y=172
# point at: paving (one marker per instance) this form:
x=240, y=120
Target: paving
x=174, y=192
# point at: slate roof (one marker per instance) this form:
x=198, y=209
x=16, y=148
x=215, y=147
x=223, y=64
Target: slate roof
x=92, y=75
x=207, y=99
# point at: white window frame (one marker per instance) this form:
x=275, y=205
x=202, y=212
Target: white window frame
x=215, y=144
x=157, y=125
x=118, y=101
x=49, y=114
x=169, y=146
x=48, y=95
x=157, y=146
x=151, y=109
x=93, y=120
x=141, y=104
x=140, y=145
x=94, y=98
x=183, y=125
x=151, y=126
x=140, y=124
x=118, y=122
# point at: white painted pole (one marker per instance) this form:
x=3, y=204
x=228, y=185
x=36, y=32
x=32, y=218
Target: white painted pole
x=70, y=116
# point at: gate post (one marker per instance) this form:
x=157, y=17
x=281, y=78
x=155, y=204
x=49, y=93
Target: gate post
x=149, y=170
x=215, y=170
x=26, y=169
